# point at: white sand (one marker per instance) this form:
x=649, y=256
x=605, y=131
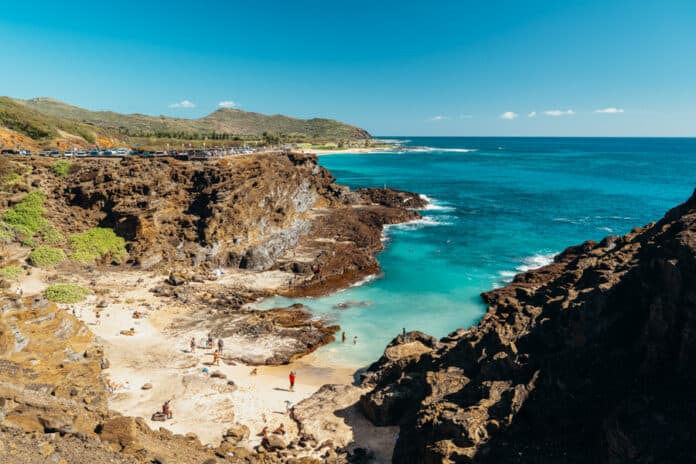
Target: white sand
x=159, y=354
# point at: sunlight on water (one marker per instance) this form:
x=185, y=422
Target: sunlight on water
x=500, y=206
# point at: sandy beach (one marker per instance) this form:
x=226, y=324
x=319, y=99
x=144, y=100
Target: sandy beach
x=345, y=151
x=205, y=399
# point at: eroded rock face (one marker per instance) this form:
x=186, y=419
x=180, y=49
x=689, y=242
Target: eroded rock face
x=589, y=359
x=276, y=211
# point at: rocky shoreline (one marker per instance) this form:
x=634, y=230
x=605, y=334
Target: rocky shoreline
x=590, y=358
x=202, y=245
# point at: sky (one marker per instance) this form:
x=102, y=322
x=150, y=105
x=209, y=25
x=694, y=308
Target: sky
x=535, y=67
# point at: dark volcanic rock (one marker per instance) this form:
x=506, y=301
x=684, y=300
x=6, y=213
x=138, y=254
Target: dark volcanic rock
x=392, y=198
x=589, y=359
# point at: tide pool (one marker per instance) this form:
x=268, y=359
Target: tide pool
x=500, y=206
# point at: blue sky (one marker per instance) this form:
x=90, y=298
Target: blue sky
x=395, y=68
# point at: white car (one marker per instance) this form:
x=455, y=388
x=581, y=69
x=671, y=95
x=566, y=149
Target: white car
x=69, y=154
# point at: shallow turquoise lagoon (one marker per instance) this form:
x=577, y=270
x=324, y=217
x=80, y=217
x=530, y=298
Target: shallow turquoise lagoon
x=500, y=206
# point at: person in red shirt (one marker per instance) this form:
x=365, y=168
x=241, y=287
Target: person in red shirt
x=292, y=380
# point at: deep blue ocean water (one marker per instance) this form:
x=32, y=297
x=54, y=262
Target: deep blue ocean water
x=501, y=205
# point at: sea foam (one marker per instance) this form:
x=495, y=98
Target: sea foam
x=529, y=263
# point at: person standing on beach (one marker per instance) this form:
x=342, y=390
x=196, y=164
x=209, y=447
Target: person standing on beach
x=216, y=358
x=292, y=381
x=355, y=340
x=193, y=344
x=343, y=337
x=221, y=344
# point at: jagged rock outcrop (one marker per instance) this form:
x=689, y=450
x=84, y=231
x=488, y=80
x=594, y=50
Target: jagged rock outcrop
x=261, y=212
x=589, y=359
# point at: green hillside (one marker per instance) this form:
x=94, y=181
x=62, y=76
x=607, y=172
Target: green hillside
x=44, y=127
x=223, y=121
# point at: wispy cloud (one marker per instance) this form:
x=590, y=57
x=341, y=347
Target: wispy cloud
x=183, y=104
x=227, y=104
x=610, y=110
x=559, y=112
x=439, y=118
x=532, y=114
x=509, y=115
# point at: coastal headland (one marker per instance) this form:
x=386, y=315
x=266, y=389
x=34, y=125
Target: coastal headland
x=114, y=267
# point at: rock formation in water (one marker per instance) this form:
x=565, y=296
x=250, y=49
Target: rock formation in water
x=589, y=359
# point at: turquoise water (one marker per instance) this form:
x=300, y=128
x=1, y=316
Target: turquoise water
x=506, y=205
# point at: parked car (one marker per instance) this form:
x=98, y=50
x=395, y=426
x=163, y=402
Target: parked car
x=69, y=154
x=107, y=153
x=9, y=151
x=94, y=153
x=54, y=154
x=81, y=154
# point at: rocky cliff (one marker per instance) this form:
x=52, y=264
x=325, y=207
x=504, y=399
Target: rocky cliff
x=261, y=212
x=588, y=359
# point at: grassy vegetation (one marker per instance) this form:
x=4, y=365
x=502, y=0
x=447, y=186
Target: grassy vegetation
x=25, y=218
x=46, y=256
x=61, y=168
x=12, y=173
x=10, y=272
x=66, y=293
x=96, y=244
x=25, y=222
x=43, y=126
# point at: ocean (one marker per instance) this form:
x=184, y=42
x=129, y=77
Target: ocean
x=499, y=206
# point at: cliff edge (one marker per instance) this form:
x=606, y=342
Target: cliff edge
x=588, y=359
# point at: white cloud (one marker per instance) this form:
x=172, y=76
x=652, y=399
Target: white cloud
x=559, y=112
x=610, y=110
x=532, y=114
x=182, y=104
x=509, y=115
x=439, y=118
x=227, y=104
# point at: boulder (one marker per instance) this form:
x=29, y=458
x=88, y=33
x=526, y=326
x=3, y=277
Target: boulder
x=274, y=442
x=121, y=432
x=237, y=433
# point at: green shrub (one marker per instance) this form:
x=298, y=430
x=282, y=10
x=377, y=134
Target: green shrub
x=26, y=217
x=46, y=256
x=11, y=179
x=6, y=232
x=61, y=168
x=51, y=236
x=96, y=244
x=10, y=272
x=66, y=293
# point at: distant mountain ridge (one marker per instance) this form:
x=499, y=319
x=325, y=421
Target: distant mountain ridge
x=224, y=120
x=44, y=121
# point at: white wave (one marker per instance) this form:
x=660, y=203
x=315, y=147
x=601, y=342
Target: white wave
x=425, y=221
x=445, y=150
x=530, y=262
x=507, y=276
x=434, y=205
x=366, y=280
x=535, y=261
x=606, y=229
